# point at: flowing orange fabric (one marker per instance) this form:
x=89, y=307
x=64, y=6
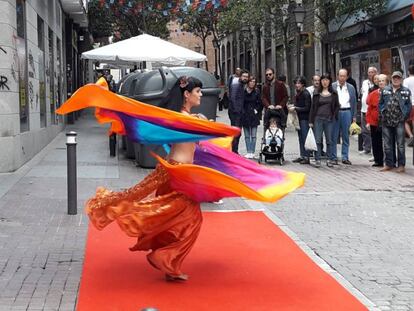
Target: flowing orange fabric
x=167, y=224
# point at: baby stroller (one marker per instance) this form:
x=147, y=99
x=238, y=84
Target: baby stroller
x=273, y=150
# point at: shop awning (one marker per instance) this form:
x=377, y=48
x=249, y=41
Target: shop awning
x=393, y=17
x=395, y=11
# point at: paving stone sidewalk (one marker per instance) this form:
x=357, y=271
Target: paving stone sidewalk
x=356, y=219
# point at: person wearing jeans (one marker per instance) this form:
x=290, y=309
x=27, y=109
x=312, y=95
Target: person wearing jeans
x=365, y=132
x=302, y=106
x=324, y=112
x=395, y=108
x=236, y=106
x=252, y=110
x=347, y=115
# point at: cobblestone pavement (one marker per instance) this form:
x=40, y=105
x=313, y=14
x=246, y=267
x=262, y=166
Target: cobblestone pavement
x=358, y=220
x=354, y=221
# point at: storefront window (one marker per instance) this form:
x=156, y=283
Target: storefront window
x=52, y=78
x=408, y=55
x=395, y=59
x=42, y=72
x=21, y=53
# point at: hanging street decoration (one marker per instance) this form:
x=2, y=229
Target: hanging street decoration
x=171, y=7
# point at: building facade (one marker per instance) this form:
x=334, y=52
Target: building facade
x=36, y=73
x=190, y=41
x=278, y=44
x=385, y=42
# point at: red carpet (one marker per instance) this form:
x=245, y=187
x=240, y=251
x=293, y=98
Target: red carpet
x=241, y=261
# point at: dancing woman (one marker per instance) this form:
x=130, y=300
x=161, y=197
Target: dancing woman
x=163, y=210
x=169, y=222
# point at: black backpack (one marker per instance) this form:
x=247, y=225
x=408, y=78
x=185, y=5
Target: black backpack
x=392, y=114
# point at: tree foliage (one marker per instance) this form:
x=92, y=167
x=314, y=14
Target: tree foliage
x=242, y=13
x=127, y=19
x=100, y=20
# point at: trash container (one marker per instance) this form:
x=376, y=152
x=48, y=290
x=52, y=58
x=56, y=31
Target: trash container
x=153, y=86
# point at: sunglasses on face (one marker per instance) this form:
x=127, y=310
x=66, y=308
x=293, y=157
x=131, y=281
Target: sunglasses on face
x=269, y=74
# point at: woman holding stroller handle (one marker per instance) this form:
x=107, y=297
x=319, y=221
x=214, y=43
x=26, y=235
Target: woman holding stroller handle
x=302, y=105
x=252, y=112
x=324, y=111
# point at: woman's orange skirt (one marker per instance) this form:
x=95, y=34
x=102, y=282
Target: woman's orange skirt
x=167, y=224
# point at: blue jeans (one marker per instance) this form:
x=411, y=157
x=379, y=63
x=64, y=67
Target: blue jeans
x=302, y=133
x=321, y=127
x=391, y=136
x=235, y=120
x=341, y=125
x=250, y=138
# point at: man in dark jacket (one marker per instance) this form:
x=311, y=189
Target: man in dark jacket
x=274, y=94
x=395, y=108
x=302, y=105
x=236, y=106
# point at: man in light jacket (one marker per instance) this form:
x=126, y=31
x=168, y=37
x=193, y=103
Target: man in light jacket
x=347, y=115
x=366, y=85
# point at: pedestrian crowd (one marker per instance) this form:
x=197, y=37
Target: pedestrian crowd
x=327, y=112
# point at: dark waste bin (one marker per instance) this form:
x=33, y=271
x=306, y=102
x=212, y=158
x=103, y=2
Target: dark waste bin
x=153, y=86
x=130, y=149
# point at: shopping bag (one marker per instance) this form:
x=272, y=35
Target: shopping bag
x=310, y=142
x=293, y=120
x=354, y=129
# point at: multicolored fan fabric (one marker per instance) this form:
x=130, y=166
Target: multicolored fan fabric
x=141, y=122
x=216, y=172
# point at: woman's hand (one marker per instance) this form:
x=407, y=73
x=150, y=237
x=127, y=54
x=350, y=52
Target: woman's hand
x=368, y=126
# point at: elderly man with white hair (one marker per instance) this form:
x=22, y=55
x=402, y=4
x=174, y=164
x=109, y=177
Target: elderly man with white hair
x=347, y=115
x=366, y=85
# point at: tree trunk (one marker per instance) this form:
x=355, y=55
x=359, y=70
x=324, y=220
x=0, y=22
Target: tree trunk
x=331, y=61
x=205, y=51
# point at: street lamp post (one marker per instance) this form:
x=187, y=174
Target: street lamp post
x=216, y=46
x=197, y=48
x=299, y=13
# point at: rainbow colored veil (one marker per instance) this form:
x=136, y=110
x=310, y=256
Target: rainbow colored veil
x=216, y=172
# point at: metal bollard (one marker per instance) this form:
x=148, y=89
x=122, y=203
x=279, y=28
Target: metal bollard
x=112, y=145
x=72, y=174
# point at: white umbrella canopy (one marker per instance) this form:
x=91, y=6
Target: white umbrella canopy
x=143, y=48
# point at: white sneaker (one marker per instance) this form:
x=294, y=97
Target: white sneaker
x=371, y=159
x=247, y=155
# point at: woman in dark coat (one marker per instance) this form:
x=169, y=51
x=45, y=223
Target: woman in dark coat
x=323, y=113
x=252, y=111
